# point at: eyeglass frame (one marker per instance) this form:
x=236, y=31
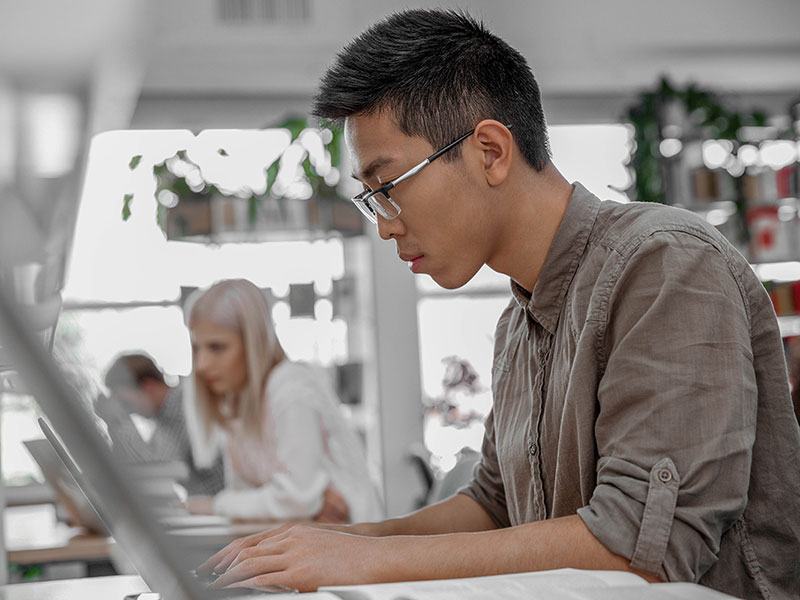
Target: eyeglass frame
x=362, y=200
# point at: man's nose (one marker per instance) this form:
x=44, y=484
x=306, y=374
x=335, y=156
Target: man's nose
x=390, y=228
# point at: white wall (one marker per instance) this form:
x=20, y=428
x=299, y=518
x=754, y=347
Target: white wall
x=574, y=46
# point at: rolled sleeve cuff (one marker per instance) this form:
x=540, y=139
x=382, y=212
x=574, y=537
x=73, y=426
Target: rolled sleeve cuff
x=632, y=512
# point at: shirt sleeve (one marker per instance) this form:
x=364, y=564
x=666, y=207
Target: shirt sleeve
x=128, y=443
x=168, y=441
x=486, y=487
x=677, y=408
x=296, y=490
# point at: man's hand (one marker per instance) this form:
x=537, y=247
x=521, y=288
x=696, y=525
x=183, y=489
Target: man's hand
x=220, y=561
x=223, y=558
x=303, y=558
x=306, y=557
x=459, y=513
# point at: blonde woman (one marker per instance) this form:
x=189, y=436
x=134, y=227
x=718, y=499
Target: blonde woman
x=291, y=453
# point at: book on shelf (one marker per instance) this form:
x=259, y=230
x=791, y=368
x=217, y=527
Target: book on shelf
x=764, y=185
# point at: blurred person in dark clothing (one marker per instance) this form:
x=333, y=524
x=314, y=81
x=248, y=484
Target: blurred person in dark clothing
x=137, y=386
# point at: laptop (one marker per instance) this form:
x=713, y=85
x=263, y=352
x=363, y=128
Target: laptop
x=80, y=511
x=163, y=561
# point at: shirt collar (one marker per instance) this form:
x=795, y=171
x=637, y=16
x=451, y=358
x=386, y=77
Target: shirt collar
x=562, y=260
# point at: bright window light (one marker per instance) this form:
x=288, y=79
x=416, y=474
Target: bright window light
x=595, y=155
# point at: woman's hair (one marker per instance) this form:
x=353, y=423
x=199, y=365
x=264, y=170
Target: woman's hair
x=239, y=305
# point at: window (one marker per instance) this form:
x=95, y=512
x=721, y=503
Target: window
x=124, y=284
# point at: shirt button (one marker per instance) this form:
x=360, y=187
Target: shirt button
x=532, y=449
x=665, y=476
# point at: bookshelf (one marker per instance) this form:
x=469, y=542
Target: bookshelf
x=738, y=169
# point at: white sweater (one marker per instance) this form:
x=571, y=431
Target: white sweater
x=306, y=444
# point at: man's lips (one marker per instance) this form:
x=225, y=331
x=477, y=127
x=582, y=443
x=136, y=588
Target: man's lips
x=413, y=260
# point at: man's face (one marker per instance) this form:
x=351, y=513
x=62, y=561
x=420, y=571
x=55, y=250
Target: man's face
x=136, y=400
x=441, y=230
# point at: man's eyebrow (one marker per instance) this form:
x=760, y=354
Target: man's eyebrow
x=376, y=164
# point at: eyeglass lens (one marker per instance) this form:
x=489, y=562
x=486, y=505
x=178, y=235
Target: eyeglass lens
x=384, y=205
x=378, y=203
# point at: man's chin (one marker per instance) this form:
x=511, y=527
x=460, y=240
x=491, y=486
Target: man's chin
x=451, y=282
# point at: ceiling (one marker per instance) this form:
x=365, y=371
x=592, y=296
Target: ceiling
x=573, y=46
x=185, y=62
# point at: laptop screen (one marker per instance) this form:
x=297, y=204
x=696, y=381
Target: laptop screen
x=160, y=559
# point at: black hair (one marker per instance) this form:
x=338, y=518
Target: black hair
x=130, y=370
x=438, y=73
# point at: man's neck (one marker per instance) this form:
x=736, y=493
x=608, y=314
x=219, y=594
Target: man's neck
x=536, y=206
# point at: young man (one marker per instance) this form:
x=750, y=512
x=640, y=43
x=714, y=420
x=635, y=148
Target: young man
x=137, y=385
x=641, y=417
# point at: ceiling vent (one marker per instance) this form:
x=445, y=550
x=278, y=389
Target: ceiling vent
x=264, y=12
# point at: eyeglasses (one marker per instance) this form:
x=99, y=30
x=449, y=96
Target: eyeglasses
x=372, y=203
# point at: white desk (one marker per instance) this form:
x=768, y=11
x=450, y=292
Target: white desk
x=118, y=586
x=33, y=535
x=90, y=588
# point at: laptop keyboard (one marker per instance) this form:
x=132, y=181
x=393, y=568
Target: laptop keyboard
x=231, y=592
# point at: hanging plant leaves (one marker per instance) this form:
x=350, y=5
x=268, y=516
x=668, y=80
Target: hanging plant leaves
x=759, y=118
x=706, y=114
x=272, y=174
x=311, y=173
x=161, y=216
x=252, y=208
x=126, y=206
x=335, y=147
x=295, y=125
x=178, y=185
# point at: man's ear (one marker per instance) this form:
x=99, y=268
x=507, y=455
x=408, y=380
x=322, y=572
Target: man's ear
x=496, y=145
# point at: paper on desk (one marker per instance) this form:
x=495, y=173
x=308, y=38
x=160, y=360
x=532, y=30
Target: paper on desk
x=256, y=595
x=661, y=591
x=561, y=584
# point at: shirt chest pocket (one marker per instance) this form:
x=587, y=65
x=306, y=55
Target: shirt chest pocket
x=514, y=369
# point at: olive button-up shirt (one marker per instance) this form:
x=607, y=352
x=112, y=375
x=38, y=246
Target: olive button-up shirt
x=643, y=386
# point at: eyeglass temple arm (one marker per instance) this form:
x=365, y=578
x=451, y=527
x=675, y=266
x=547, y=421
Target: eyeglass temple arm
x=436, y=155
x=407, y=174
x=430, y=159
x=427, y=161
